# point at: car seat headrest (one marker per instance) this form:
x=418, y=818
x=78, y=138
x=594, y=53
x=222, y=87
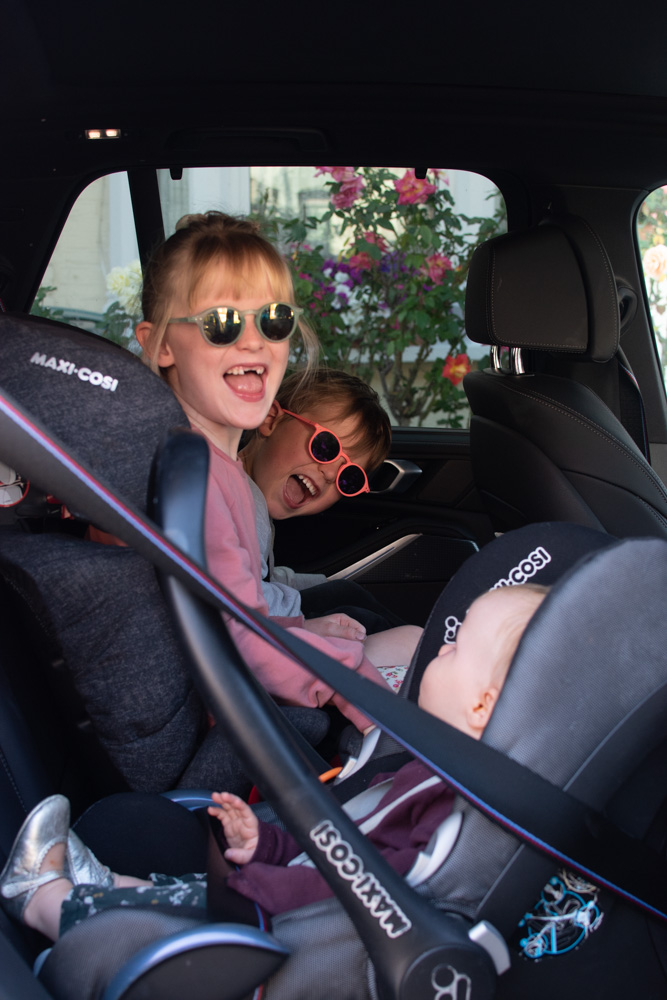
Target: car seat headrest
x=592, y=657
x=548, y=288
x=584, y=702
x=537, y=553
x=96, y=397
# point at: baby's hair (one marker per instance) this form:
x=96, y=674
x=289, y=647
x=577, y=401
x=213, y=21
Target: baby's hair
x=352, y=396
x=181, y=264
x=516, y=622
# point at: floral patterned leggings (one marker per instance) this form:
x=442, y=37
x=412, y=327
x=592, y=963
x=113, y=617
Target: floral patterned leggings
x=168, y=891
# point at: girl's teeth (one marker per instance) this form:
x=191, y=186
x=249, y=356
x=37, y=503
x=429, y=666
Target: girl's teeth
x=307, y=483
x=239, y=370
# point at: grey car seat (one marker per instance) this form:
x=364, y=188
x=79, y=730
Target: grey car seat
x=95, y=613
x=547, y=446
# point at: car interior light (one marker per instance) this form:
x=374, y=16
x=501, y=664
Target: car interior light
x=102, y=133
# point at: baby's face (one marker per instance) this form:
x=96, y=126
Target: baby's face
x=291, y=481
x=455, y=680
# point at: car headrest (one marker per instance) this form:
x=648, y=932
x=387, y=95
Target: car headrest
x=537, y=553
x=100, y=400
x=548, y=288
x=585, y=700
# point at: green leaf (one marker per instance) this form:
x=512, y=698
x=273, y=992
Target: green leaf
x=371, y=249
x=427, y=235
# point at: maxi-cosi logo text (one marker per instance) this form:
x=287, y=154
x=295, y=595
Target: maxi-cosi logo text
x=365, y=886
x=69, y=368
x=528, y=567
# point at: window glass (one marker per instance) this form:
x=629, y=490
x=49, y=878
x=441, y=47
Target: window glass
x=94, y=278
x=380, y=258
x=652, y=233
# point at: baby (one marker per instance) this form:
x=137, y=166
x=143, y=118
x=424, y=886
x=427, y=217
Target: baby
x=461, y=686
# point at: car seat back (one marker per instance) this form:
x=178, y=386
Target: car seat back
x=544, y=446
x=102, y=605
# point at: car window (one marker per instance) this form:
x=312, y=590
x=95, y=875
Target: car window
x=93, y=279
x=652, y=235
x=380, y=258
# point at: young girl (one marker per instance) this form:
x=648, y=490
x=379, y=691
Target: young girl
x=219, y=312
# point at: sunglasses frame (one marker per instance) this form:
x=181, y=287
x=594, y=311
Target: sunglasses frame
x=198, y=320
x=319, y=428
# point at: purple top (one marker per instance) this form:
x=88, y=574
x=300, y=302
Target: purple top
x=402, y=832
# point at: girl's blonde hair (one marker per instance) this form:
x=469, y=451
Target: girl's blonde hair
x=181, y=264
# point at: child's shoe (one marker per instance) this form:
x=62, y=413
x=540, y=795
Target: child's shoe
x=46, y=826
x=83, y=868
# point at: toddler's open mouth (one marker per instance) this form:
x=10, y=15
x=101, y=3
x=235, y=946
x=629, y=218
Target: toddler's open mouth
x=299, y=489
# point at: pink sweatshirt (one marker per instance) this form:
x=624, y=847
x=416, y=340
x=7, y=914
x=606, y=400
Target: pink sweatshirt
x=232, y=551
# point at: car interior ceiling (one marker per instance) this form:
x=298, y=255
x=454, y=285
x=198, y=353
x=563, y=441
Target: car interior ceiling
x=567, y=120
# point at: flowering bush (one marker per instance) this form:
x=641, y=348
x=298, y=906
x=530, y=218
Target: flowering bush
x=652, y=230
x=118, y=320
x=122, y=315
x=390, y=305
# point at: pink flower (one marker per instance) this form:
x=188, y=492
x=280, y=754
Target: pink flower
x=655, y=262
x=437, y=172
x=379, y=241
x=437, y=265
x=361, y=261
x=456, y=367
x=348, y=194
x=338, y=173
x=412, y=191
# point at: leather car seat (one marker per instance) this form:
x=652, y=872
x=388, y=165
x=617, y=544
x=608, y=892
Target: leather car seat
x=547, y=447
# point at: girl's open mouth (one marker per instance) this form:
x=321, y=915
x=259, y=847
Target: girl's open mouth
x=246, y=381
x=298, y=490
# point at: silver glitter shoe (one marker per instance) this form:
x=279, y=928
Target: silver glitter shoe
x=82, y=867
x=46, y=826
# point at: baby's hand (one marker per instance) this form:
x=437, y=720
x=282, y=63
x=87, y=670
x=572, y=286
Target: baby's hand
x=240, y=825
x=339, y=625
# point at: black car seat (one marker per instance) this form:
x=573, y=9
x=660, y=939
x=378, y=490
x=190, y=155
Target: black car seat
x=89, y=620
x=540, y=553
x=546, y=446
x=584, y=707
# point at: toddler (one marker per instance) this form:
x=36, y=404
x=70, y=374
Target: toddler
x=287, y=480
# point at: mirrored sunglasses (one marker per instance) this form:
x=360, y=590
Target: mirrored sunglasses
x=223, y=325
x=324, y=447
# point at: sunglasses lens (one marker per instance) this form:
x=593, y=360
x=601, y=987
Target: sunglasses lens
x=325, y=447
x=277, y=321
x=221, y=326
x=351, y=480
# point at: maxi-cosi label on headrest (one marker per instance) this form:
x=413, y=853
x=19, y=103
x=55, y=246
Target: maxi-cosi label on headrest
x=522, y=572
x=65, y=367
